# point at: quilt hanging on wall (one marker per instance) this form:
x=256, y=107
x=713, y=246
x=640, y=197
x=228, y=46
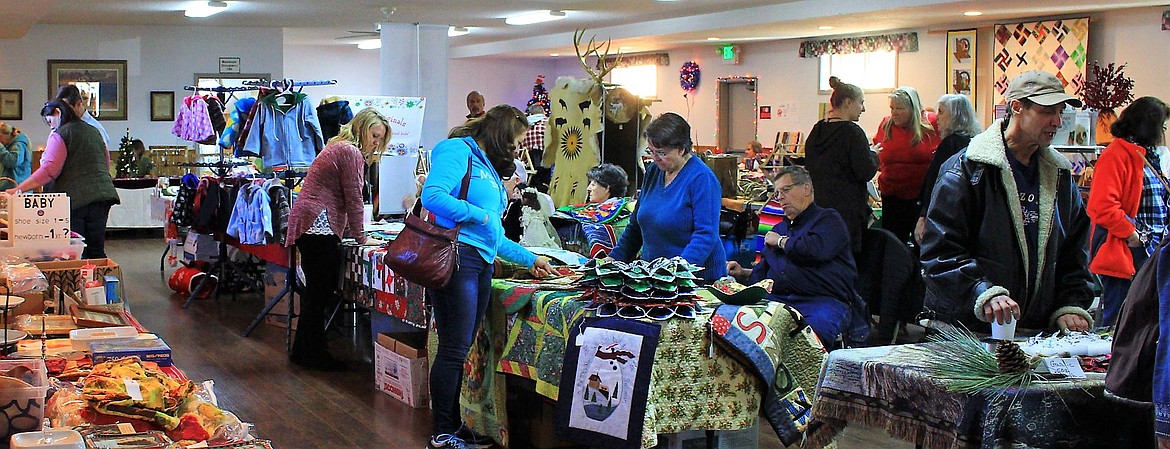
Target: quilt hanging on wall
x=1055, y=46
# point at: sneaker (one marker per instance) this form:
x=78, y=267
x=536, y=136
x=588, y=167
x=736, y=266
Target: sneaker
x=448, y=441
x=474, y=440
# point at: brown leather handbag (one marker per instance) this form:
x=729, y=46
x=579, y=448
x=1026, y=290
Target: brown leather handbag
x=425, y=253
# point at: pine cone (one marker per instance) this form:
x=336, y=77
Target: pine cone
x=1010, y=358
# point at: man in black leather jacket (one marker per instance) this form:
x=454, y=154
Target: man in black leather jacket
x=1006, y=236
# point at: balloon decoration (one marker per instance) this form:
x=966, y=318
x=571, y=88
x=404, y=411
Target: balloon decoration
x=688, y=76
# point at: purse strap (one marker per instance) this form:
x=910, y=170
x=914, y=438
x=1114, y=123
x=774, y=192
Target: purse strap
x=417, y=209
x=1157, y=173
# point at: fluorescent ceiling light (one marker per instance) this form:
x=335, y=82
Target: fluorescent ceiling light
x=973, y=13
x=712, y=38
x=457, y=31
x=824, y=27
x=205, y=9
x=554, y=54
x=530, y=18
x=370, y=44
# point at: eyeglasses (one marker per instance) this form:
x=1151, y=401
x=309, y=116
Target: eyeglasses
x=660, y=153
x=788, y=188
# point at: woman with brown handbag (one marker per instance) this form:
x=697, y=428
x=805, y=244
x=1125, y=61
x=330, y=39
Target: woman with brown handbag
x=328, y=208
x=459, y=307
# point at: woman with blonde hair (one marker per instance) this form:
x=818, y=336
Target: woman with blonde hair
x=908, y=137
x=329, y=208
x=15, y=157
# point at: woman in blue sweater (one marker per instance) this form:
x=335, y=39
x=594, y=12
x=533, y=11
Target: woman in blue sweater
x=678, y=208
x=488, y=142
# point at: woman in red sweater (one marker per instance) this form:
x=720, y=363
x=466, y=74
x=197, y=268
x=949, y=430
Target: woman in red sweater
x=1128, y=201
x=908, y=138
x=328, y=208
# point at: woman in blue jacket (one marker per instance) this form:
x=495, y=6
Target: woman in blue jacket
x=678, y=208
x=488, y=142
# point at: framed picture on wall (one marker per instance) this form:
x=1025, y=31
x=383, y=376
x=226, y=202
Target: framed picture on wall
x=102, y=84
x=11, y=104
x=162, y=106
x=961, y=63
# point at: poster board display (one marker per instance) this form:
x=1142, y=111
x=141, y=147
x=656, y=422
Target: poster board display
x=397, y=167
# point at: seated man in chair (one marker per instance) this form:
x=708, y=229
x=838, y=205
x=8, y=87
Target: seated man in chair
x=810, y=261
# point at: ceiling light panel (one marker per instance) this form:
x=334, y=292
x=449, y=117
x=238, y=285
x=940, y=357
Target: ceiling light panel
x=530, y=18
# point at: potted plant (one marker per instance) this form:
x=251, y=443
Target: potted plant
x=1105, y=90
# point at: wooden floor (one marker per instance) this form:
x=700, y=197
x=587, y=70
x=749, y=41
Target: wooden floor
x=293, y=407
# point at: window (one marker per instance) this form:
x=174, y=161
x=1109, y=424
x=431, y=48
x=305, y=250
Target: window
x=872, y=72
x=640, y=80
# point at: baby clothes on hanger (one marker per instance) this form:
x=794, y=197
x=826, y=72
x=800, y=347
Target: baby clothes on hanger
x=285, y=131
x=193, y=122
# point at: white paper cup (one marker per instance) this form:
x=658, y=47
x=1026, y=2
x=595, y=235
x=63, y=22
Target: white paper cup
x=1005, y=331
x=368, y=214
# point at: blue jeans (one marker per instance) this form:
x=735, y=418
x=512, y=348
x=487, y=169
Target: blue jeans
x=825, y=315
x=459, y=309
x=1114, y=290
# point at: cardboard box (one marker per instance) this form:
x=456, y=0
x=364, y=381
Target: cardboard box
x=400, y=367
x=275, y=277
x=148, y=349
x=66, y=275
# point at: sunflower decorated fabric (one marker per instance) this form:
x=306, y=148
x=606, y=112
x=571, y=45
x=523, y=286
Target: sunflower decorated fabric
x=571, y=137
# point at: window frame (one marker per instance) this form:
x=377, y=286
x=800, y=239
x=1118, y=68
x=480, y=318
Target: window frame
x=822, y=76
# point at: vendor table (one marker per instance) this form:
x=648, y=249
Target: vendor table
x=881, y=388
x=694, y=383
x=139, y=208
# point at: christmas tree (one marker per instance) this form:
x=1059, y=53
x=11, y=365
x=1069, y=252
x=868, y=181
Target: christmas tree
x=126, y=158
x=539, y=94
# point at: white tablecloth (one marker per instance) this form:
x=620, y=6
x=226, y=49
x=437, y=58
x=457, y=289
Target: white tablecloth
x=138, y=209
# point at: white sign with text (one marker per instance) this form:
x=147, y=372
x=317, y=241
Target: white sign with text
x=39, y=216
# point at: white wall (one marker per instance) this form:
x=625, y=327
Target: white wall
x=158, y=58
x=501, y=80
x=787, y=79
x=355, y=70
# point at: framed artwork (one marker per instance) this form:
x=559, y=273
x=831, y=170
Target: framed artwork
x=11, y=103
x=605, y=382
x=162, y=106
x=102, y=84
x=89, y=316
x=961, y=63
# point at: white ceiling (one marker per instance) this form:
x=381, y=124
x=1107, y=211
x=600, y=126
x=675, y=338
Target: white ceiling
x=640, y=25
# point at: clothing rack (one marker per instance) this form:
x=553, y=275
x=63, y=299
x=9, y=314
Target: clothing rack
x=218, y=89
x=287, y=83
x=290, y=178
x=222, y=264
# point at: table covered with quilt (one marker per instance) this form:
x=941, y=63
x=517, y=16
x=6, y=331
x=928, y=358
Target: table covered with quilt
x=372, y=284
x=694, y=382
x=885, y=388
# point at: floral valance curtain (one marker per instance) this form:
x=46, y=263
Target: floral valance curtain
x=640, y=59
x=902, y=42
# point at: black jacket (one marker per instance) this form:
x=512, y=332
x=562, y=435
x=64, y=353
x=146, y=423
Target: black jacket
x=949, y=146
x=974, y=247
x=840, y=164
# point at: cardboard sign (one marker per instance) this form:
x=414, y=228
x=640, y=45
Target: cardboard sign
x=39, y=216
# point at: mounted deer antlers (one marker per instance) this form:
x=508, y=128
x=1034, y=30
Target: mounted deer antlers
x=604, y=66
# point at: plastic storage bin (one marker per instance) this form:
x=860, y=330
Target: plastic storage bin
x=22, y=408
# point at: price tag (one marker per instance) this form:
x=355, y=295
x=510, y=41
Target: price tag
x=133, y=389
x=1070, y=367
x=39, y=216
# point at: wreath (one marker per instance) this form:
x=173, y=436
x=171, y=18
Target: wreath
x=688, y=76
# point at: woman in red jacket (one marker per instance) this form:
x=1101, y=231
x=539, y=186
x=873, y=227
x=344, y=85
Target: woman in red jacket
x=1128, y=201
x=908, y=138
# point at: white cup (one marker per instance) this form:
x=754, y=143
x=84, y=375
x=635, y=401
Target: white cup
x=368, y=214
x=1006, y=331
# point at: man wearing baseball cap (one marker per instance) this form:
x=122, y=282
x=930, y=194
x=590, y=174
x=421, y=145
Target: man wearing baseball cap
x=1006, y=238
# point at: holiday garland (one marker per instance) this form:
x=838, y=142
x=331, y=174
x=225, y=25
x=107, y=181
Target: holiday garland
x=689, y=75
